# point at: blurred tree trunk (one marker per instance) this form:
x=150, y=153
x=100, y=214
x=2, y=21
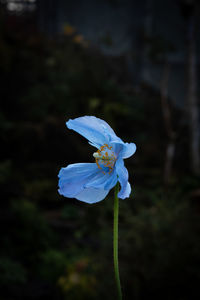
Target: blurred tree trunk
x=188, y=9
x=171, y=135
x=192, y=97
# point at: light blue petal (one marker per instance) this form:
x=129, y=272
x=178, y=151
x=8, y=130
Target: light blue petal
x=73, y=178
x=104, y=181
x=97, y=131
x=128, y=150
x=122, y=149
x=117, y=147
x=92, y=195
x=80, y=169
x=123, y=179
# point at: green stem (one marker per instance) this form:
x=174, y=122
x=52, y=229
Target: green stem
x=115, y=241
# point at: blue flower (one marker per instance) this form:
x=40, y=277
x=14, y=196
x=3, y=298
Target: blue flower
x=91, y=182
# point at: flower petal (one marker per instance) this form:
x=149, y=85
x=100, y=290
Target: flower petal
x=73, y=178
x=92, y=195
x=125, y=150
x=123, y=179
x=103, y=180
x=128, y=150
x=97, y=131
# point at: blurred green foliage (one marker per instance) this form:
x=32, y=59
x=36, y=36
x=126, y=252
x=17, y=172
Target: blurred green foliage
x=62, y=249
x=11, y=272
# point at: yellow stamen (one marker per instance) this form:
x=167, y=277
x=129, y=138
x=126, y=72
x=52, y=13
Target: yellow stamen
x=105, y=158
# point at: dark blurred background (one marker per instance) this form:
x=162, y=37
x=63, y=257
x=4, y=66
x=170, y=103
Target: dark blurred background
x=136, y=65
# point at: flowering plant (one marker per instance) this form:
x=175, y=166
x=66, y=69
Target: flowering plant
x=91, y=182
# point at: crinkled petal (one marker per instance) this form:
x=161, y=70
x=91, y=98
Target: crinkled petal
x=73, y=178
x=97, y=131
x=125, y=150
x=92, y=195
x=123, y=179
x=103, y=180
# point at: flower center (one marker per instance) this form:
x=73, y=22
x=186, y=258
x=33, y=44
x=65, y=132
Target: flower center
x=105, y=158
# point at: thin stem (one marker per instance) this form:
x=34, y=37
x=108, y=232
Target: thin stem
x=115, y=241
